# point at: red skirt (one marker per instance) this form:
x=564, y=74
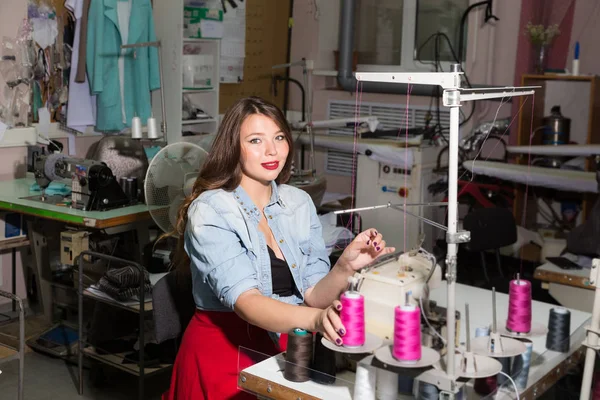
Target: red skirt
x=210, y=356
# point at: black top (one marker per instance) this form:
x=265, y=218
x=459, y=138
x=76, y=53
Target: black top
x=283, y=281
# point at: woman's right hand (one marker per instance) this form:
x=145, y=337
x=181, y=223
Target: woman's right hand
x=328, y=322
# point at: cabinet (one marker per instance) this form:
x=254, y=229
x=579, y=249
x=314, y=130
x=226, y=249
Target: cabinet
x=169, y=21
x=579, y=100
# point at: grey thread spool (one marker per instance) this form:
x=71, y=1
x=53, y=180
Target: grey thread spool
x=427, y=391
x=405, y=384
x=521, y=367
x=559, y=328
x=506, y=368
x=298, y=356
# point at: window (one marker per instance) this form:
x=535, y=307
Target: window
x=398, y=33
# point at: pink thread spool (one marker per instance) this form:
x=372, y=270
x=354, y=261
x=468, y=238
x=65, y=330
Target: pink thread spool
x=353, y=318
x=407, y=334
x=519, y=306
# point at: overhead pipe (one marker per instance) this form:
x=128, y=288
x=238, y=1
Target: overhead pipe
x=345, y=75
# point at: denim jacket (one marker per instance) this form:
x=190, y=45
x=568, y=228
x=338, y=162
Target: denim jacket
x=229, y=254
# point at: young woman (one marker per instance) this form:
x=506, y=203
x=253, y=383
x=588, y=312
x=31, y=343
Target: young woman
x=256, y=253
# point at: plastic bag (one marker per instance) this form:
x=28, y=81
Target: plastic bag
x=8, y=62
x=19, y=106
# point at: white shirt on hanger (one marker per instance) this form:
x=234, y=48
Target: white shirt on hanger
x=81, y=107
x=123, y=13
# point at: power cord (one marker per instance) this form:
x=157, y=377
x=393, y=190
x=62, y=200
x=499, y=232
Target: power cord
x=513, y=383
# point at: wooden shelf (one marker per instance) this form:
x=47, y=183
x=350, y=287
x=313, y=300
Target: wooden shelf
x=116, y=360
x=14, y=243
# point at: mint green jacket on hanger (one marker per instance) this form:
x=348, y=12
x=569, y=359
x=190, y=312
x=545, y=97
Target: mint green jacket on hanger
x=102, y=62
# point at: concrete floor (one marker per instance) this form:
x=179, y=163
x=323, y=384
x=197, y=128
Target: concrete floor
x=48, y=378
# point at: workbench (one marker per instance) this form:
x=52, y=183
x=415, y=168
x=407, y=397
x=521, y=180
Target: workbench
x=547, y=367
x=15, y=196
x=570, y=287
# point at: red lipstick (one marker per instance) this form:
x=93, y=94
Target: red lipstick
x=271, y=165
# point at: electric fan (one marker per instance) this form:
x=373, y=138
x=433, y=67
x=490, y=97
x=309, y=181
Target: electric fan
x=169, y=179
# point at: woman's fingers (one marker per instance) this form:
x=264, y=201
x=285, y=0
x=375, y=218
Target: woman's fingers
x=368, y=235
x=336, y=322
x=376, y=243
x=337, y=305
x=329, y=330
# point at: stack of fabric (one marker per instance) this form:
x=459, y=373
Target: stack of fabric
x=124, y=283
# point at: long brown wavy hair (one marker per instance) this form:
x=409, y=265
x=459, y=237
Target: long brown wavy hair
x=223, y=167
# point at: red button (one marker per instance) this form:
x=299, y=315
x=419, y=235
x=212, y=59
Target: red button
x=403, y=192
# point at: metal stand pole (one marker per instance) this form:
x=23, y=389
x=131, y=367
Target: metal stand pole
x=452, y=229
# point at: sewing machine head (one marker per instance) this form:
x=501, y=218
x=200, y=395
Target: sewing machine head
x=390, y=281
x=93, y=185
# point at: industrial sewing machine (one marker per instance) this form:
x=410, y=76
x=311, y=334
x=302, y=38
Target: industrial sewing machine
x=394, y=278
x=93, y=184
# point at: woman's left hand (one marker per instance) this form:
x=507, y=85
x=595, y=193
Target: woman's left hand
x=366, y=247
